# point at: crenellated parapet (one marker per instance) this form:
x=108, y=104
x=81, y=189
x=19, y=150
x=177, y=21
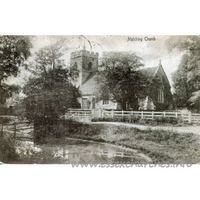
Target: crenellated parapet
x=84, y=53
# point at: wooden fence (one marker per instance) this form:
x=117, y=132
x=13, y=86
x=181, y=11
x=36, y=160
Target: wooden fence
x=100, y=113
x=79, y=114
x=14, y=128
x=186, y=117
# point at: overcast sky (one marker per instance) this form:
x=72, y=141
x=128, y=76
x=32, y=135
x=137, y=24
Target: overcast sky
x=150, y=51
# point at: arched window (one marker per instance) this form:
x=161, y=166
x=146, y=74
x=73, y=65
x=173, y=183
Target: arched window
x=161, y=95
x=89, y=66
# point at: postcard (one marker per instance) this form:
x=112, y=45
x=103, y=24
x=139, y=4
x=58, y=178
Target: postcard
x=113, y=101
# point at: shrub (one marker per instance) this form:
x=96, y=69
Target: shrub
x=117, y=119
x=142, y=121
x=172, y=120
x=4, y=120
x=3, y=110
x=7, y=151
x=160, y=120
x=46, y=128
x=135, y=118
x=180, y=120
x=153, y=122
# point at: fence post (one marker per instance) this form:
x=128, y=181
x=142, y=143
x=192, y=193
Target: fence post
x=142, y=114
x=176, y=114
x=99, y=113
x=189, y=117
x=164, y=114
x=1, y=133
x=152, y=114
x=112, y=114
x=15, y=130
x=131, y=115
x=122, y=114
x=92, y=114
x=102, y=113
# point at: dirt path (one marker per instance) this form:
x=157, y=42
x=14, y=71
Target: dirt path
x=187, y=129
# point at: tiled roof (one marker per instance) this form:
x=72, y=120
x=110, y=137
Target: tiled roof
x=89, y=76
x=90, y=84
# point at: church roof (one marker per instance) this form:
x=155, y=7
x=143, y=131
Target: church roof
x=150, y=71
x=89, y=77
x=90, y=84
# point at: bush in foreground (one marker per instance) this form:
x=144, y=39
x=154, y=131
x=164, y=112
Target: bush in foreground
x=7, y=150
x=138, y=120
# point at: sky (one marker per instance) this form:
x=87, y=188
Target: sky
x=151, y=48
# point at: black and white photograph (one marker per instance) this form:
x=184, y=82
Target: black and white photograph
x=100, y=99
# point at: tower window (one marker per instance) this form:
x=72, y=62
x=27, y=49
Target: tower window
x=89, y=66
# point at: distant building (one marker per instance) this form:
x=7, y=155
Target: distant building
x=87, y=63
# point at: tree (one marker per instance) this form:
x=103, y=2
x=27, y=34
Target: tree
x=49, y=93
x=51, y=57
x=120, y=80
x=182, y=89
x=187, y=77
x=14, y=50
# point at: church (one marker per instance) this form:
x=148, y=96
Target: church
x=87, y=63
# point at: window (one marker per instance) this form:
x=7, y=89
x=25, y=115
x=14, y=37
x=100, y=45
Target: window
x=105, y=102
x=89, y=66
x=161, y=95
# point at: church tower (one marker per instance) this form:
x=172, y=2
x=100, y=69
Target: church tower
x=87, y=63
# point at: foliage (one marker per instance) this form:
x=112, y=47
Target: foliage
x=47, y=57
x=6, y=91
x=4, y=120
x=7, y=151
x=187, y=78
x=49, y=93
x=50, y=57
x=14, y=50
x=120, y=80
x=143, y=121
x=181, y=85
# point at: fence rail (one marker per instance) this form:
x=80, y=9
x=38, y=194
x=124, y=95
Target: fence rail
x=186, y=117
x=100, y=113
x=13, y=128
x=79, y=114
